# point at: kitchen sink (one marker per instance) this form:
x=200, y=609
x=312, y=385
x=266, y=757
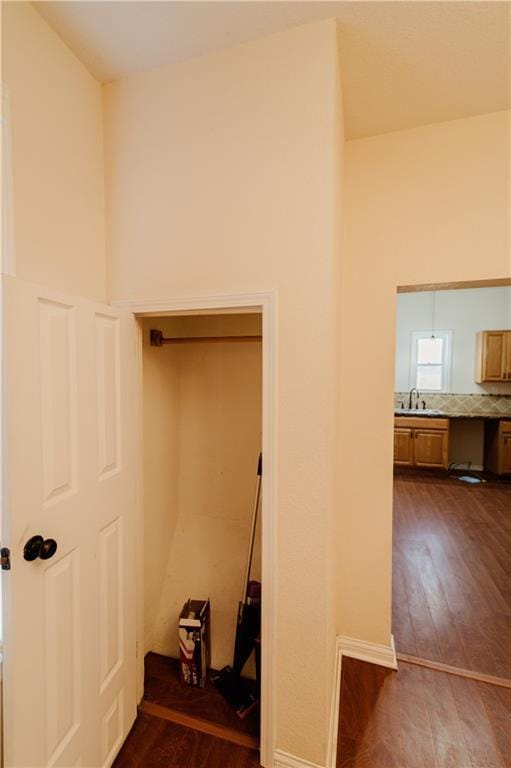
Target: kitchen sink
x=417, y=412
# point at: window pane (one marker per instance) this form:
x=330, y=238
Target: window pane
x=429, y=377
x=430, y=351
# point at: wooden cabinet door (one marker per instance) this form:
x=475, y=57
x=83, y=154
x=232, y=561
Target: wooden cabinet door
x=403, y=446
x=494, y=355
x=430, y=448
x=507, y=356
x=505, y=449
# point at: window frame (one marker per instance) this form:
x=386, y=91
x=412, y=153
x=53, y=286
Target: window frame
x=445, y=365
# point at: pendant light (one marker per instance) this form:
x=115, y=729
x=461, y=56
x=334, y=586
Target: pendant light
x=433, y=307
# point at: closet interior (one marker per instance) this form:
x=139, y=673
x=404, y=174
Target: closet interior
x=202, y=416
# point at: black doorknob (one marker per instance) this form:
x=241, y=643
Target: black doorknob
x=39, y=547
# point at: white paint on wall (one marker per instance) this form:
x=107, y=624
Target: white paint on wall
x=56, y=125
x=422, y=206
x=464, y=312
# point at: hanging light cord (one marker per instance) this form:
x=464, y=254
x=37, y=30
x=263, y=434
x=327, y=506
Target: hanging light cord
x=433, y=303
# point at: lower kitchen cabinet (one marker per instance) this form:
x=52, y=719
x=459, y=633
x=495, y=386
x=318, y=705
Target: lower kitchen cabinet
x=497, y=441
x=403, y=446
x=421, y=442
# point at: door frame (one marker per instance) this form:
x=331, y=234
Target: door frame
x=266, y=302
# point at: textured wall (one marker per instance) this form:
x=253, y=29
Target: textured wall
x=422, y=206
x=57, y=157
x=223, y=175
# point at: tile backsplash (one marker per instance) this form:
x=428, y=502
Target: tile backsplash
x=500, y=405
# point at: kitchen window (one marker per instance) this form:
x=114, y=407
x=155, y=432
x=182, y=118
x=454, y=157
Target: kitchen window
x=430, y=368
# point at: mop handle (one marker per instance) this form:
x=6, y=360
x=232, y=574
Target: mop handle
x=253, y=529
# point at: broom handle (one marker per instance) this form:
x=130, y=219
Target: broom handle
x=253, y=529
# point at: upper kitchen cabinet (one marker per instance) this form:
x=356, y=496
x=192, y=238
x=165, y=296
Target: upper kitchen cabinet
x=493, y=356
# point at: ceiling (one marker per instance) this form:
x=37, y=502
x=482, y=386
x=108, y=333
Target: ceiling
x=404, y=63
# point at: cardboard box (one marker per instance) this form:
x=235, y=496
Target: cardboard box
x=194, y=642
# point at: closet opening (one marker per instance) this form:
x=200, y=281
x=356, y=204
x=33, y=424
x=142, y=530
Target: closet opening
x=201, y=519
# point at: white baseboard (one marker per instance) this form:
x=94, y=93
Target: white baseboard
x=285, y=760
x=384, y=655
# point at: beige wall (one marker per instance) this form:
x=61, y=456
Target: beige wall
x=222, y=176
x=57, y=157
x=202, y=438
x=160, y=418
x=425, y=205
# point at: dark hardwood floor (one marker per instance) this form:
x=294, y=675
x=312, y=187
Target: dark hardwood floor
x=157, y=743
x=451, y=606
x=421, y=718
x=452, y=572
x=184, y=727
x=162, y=687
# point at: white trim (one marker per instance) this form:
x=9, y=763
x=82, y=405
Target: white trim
x=140, y=639
x=267, y=302
x=333, y=728
x=285, y=760
x=151, y=307
x=383, y=655
x=8, y=266
x=446, y=364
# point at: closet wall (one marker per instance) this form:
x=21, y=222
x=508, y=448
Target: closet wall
x=202, y=437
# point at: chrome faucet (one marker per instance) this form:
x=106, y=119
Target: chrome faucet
x=417, y=393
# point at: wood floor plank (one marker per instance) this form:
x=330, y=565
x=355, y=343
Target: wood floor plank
x=204, y=726
x=162, y=686
x=452, y=567
x=157, y=743
x=420, y=718
x=450, y=670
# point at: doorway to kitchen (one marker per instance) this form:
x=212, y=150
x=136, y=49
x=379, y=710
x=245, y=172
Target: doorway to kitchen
x=452, y=479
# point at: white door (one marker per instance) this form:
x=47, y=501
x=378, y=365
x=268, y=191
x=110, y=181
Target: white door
x=69, y=442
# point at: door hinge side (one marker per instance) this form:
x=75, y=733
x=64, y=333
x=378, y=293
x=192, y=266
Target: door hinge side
x=5, y=559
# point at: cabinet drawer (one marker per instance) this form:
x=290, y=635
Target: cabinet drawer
x=418, y=422
x=421, y=442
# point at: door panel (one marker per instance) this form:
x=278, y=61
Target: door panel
x=507, y=356
x=69, y=439
x=403, y=446
x=63, y=684
x=430, y=448
x=505, y=448
x=108, y=392
x=493, y=356
x=57, y=354
x=112, y=730
x=111, y=591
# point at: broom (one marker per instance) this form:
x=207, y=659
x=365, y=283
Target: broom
x=240, y=693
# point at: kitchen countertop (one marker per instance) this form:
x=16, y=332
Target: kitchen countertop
x=445, y=415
